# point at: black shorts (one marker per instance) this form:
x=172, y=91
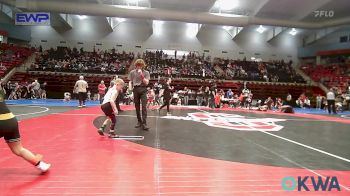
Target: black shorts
x=9, y=130
x=107, y=109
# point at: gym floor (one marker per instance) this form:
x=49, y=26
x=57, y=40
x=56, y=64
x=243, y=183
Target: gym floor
x=196, y=151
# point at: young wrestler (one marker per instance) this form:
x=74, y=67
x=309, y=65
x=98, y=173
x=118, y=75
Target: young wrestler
x=109, y=107
x=150, y=97
x=9, y=130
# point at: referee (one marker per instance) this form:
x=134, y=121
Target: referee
x=139, y=79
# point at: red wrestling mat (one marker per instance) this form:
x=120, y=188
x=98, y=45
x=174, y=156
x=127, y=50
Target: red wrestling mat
x=83, y=163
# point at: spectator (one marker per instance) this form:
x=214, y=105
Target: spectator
x=101, y=91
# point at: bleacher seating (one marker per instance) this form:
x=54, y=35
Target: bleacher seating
x=160, y=64
x=59, y=82
x=336, y=75
x=12, y=56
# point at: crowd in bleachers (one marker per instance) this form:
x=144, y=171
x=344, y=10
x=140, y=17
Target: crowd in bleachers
x=11, y=56
x=274, y=71
x=160, y=64
x=73, y=60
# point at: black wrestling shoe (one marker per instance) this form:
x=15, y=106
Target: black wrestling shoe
x=144, y=127
x=100, y=131
x=138, y=125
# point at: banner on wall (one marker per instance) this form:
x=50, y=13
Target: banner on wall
x=33, y=18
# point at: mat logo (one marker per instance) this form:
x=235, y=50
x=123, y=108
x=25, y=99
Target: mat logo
x=31, y=18
x=318, y=183
x=232, y=121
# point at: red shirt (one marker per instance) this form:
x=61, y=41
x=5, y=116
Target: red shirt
x=101, y=89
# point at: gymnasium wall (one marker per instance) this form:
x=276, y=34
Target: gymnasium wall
x=329, y=42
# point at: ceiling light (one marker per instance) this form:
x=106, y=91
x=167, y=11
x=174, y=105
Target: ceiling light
x=192, y=29
x=81, y=17
x=227, y=28
x=157, y=27
x=132, y=1
x=226, y=4
x=131, y=7
x=293, y=31
x=227, y=15
x=158, y=22
x=119, y=20
x=261, y=29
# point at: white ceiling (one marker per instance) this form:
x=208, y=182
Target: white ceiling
x=301, y=10
x=270, y=12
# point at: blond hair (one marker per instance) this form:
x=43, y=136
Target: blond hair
x=119, y=81
x=140, y=61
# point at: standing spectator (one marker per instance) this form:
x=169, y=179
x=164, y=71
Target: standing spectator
x=101, y=91
x=347, y=99
x=200, y=96
x=156, y=92
x=245, y=93
x=217, y=99
x=331, y=101
x=206, y=95
x=80, y=87
x=8, y=89
x=43, y=90
x=139, y=79
x=35, y=89
x=186, y=96
x=212, y=93
x=318, y=101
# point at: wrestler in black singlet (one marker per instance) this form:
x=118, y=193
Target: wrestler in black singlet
x=8, y=122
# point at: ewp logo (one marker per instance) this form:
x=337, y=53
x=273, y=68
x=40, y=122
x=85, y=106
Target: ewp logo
x=31, y=18
x=289, y=183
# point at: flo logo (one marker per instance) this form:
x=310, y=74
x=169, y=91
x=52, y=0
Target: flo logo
x=303, y=183
x=324, y=13
x=232, y=121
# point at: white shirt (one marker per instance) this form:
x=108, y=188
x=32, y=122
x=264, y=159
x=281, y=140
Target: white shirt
x=81, y=86
x=111, y=95
x=330, y=96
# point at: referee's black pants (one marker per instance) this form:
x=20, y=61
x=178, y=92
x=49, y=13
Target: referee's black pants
x=331, y=106
x=140, y=97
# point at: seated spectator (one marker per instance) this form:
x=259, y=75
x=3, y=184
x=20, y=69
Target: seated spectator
x=67, y=96
x=269, y=103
